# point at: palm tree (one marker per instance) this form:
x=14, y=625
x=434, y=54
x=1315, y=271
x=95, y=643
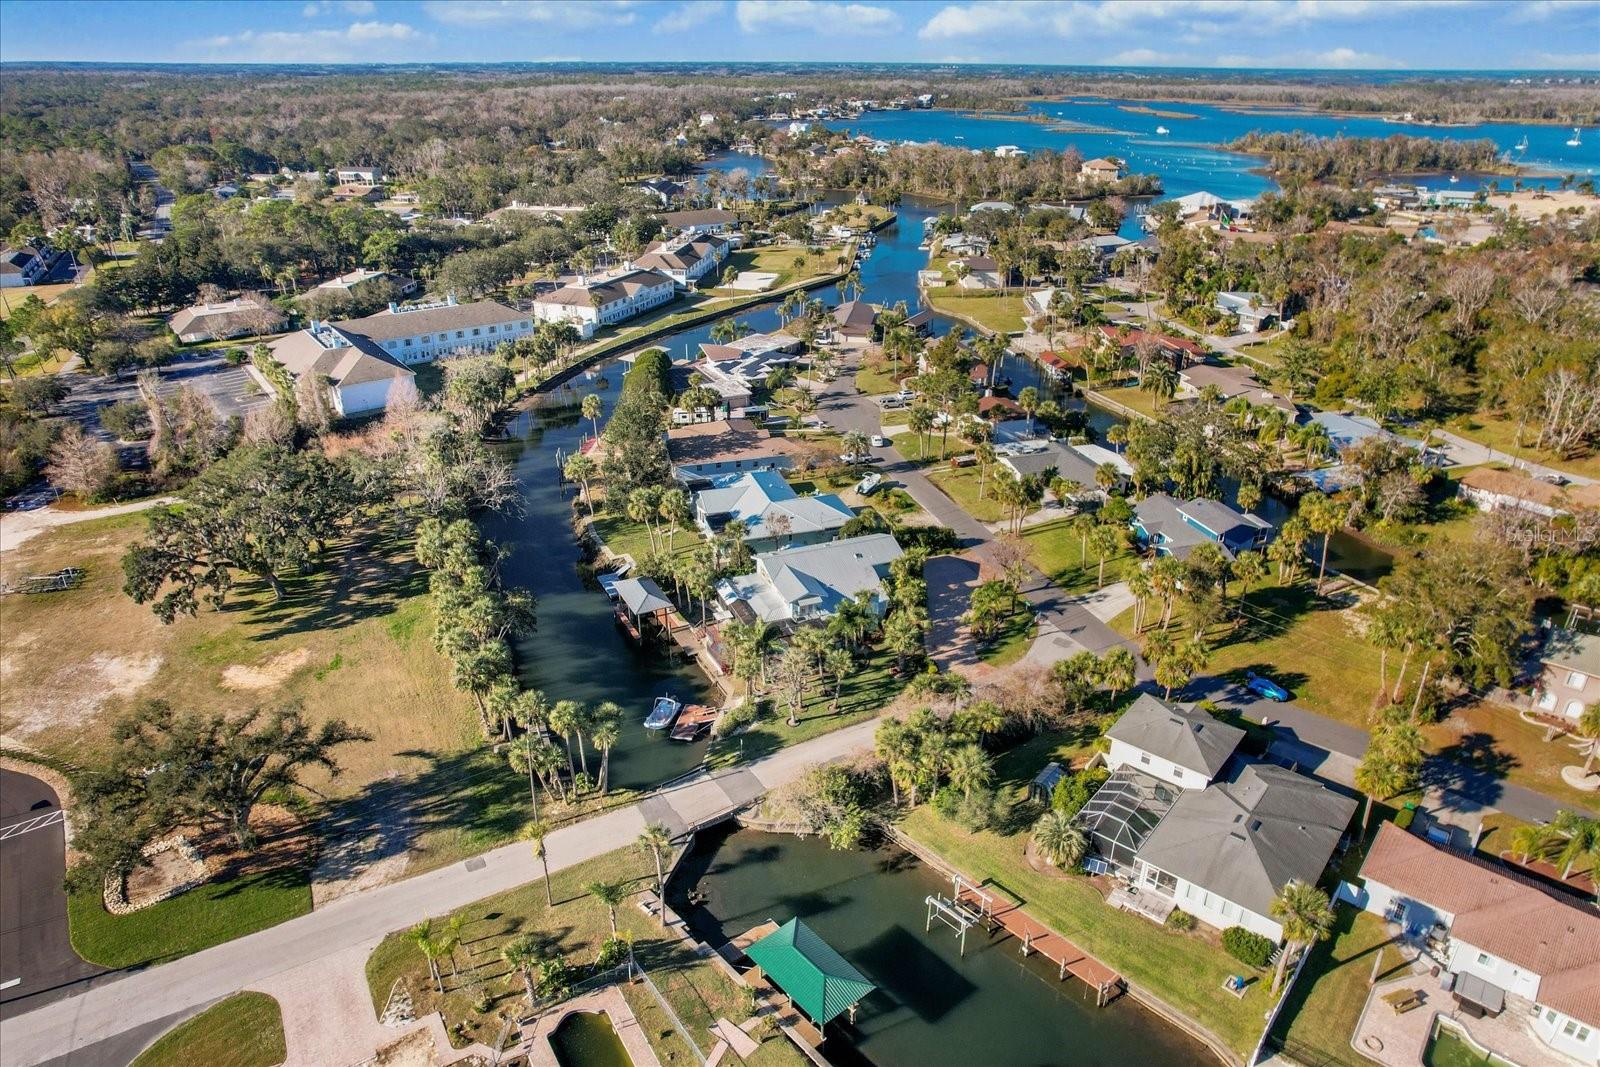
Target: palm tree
x=1028, y=400
x=522, y=955
x=431, y=948
x=1588, y=730
x=592, y=408
x=581, y=469
x=970, y=768
x=1306, y=916
x=611, y=894
x=605, y=737
x=1059, y=840
x=564, y=720
x=1249, y=568
x=535, y=833
x=1160, y=381
x=1106, y=541
x=520, y=754
x=1171, y=674
x=1530, y=840
x=1118, y=671
x=656, y=841
x=1324, y=517
x=1379, y=776
x=1579, y=838
x=1141, y=586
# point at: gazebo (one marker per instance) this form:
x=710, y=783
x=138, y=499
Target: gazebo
x=639, y=599
x=1044, y=783
x=821, y=982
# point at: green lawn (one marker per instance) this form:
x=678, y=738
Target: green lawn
x=1131, y=396
x=1012, y=642
x=1182, y=969
x=1320, y=1015
x=245, y=1030
x=1058, y=551
x=204, y=916
x=574, y=930
x=876, y=378
x=995, y=312
x=930, y=450
x=961, y=485
x=864, y=693
x=780, y=260
x=628, y=538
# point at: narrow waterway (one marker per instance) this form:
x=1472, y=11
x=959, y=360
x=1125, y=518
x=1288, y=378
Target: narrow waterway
x=934, y=1006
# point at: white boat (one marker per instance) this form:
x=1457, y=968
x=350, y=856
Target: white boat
x=1454, y=179
x=1522, y=145
x=1577, y=139
x=1162, y=131
x=662, y=713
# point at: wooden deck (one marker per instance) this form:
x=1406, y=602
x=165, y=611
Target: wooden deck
x=1034, y=936
x=692, y=722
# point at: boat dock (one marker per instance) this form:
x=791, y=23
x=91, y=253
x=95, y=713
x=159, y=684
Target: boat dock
x=1003, y=915
x=692, y=722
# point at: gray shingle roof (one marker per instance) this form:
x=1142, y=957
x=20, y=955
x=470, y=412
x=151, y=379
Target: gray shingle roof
x=388, y=326
x=1192, y=739
x=1219, y=518
x=1066, y=463
x=1573, y=650
x=1246, y=839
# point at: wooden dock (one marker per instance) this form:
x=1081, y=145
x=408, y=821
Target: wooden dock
x=692, y=722
x=1035, y=937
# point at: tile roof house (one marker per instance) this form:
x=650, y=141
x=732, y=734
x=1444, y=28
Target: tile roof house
x=772, y=513
x=794, y=585
x=1196, y=829
x=1104, y=169
x=1509, y=941
x=1174, y=528
x=1180, y=350
x=707, y=452
x=1570, y=679
x=248, y=314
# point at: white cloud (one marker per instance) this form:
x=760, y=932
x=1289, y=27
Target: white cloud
x=689, y=15
x=1195, y=19
x=587, y=15
x=328, y=7
x=761, y=16
x=358, y=42
x=1562, y=61
x=1545, y=10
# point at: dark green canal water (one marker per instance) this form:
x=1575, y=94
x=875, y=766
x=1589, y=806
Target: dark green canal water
x=933, y=1005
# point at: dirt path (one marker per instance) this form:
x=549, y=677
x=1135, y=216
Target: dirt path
x=19, y=527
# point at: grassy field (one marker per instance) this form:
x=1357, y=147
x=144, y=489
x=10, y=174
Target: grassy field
x=1131, y=396
x=865, y=692
x=1012, y=642
x=626, y=537
x=1501, y=434
x=245, y=1030
x=574, y=930
x=880, y=376
x=780, y=260
x=961, y=485
x=1058, y=551
x=1183, y=969
x=995, y=312
x=1322, y=1009
x=931, y=450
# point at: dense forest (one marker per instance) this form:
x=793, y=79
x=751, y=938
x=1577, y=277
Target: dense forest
x=1352, y=160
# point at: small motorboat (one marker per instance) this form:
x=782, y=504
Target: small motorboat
x=1162, y=131
x=662, y=713
x=1454, y=179
x=695, y=720
x=1577, y=138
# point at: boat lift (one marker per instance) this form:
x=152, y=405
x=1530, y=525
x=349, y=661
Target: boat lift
x=952, y=913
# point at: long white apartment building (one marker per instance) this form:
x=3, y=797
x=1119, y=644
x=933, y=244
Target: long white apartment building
x=590, y=303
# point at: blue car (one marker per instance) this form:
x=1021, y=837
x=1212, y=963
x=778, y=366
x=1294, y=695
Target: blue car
x=1264, y=687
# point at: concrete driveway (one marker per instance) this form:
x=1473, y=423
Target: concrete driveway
x=37, y=963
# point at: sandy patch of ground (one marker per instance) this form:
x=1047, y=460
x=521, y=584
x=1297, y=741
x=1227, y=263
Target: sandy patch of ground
x=76, y=694
x=15, y=644
x=274, y=672
x=1536, y=204
x=366, y=844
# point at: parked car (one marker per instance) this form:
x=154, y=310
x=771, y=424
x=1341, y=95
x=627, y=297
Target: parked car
x=853, y=458
x=879, y=441
x=1265, y=688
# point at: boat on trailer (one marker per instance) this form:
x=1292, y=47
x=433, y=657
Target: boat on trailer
x=695, y=720
x=662, y=712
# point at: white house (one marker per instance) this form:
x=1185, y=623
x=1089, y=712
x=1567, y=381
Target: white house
x=25, y=266
x=359, y=175
x=1508, y=945
x=772, y=513
x=694, y=223
x=810, y=582
x=1194, y=830
x=1008, y=151
x=685, y=260
x=1254, y=311
x=346, y=283
x=361, y=376
x=421, y=333
x=1491, y=489
x=590, y=303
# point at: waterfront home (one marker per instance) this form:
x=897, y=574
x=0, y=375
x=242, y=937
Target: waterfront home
x=26, y=265
x=1207, y=210
x=361, y=277
x=1174, y=528
x=1186, y=824
x=1491, y=489
x=737, y=369
x=362, y=175
x=1180, y=351
x=1251, y=310
x=685, y=260
x=695, y=223
x=421, y=333
x=1507, y=944
x=772, y=513
x=1105, y=169
x=964, y=244
x=1054, y=459
x=249, y=313
x=664, y=189
x=1037, y=301
x=1010, y=151
x=794, y=585
x=1569, y=678
x=703, y=453
x=855, y=319
x=992, y=205
x=590, y=303
x=1231, y=382
x=1102, y=246
x=361, y=377
x=982, y=272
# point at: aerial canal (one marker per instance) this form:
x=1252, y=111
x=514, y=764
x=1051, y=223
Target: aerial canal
x=934, y=1006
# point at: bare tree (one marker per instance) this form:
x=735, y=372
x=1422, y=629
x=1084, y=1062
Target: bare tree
x=79, y=464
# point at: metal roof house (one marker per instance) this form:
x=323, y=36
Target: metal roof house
x=1174, y=528
x=810, y=582
x=821, y=982
x=770, y=511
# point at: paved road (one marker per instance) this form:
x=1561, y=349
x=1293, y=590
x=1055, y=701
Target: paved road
x=35, y=951
x=1465, y=453
x=76, y=1030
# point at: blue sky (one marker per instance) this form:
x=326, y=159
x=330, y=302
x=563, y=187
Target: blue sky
x=1335, y=34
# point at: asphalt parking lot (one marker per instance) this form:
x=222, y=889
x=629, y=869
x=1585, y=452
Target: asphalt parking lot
x=37, y=963
x=231, y=389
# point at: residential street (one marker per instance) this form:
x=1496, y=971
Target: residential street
x=71, y=1031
